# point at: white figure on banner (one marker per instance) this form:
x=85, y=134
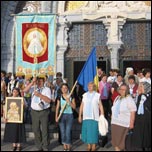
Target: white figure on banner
x=35, y=46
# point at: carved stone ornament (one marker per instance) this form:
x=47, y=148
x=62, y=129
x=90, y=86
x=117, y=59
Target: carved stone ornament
x=97, y=9
x=32, y=7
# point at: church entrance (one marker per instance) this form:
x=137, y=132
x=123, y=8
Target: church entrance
x=136, y=65
x=82, y=37
x=78, y=65
x=136, y=50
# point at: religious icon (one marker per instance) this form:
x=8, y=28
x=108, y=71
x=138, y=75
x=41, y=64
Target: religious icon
x=35, y=43
x=14, y=109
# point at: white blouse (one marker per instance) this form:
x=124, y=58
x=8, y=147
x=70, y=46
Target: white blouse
x=127, y=105
x=91, y=105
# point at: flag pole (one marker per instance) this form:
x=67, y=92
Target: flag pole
x=66, y=102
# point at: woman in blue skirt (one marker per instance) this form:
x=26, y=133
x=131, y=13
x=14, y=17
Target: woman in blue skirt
x=89, y=113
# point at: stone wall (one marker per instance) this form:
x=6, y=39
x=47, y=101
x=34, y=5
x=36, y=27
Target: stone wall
x=93, y=11
x=7, y=35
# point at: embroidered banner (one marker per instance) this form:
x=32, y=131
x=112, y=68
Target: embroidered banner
x=35, y=44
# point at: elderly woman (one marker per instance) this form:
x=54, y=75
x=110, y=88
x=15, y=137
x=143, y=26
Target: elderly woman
x=89, y=109
x=129, y=72
x=141, y=139
x=123, y=115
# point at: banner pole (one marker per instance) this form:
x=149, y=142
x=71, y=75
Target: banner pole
x=66, y=102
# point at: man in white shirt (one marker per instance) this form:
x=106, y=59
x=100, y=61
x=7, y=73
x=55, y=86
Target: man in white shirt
x=40, y=104
x=111, y=78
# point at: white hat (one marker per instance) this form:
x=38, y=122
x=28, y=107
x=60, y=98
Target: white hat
x=103, y=125
x=129, y=69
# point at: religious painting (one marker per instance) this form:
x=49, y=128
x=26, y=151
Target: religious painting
x=35, y=42
x=14, y=109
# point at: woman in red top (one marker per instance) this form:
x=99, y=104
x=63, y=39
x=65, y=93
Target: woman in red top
x=115, y=85
x=132, y=86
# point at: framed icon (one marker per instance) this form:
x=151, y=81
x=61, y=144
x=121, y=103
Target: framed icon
x=14, y=109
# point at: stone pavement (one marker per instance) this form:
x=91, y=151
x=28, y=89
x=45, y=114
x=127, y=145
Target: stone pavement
x=54, y=146
x=77, y=144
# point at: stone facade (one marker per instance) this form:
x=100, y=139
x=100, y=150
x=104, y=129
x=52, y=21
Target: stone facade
x=113, y=14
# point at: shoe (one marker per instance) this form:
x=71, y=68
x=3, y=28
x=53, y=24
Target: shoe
x=104, y=141
x=14, y=148
x=18, y=148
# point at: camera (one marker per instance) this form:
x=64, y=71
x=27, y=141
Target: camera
x=41, y=104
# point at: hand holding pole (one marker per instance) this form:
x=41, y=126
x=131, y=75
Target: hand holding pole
x=66, y=102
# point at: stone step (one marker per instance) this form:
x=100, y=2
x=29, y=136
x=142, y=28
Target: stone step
x=53, y=130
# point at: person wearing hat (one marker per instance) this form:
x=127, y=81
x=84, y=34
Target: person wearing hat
x=141, y=139
x=130, y=71
x=40, y=108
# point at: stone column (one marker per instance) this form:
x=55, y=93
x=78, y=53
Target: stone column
x=60, y=59
x=46, y=6
x=114, y=54
x=114, y=38
x=62, y=44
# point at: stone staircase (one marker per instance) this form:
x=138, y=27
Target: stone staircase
x=53, y=130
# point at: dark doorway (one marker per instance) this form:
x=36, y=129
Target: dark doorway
x=78, y=91
x=78, y=65
x=136, y=65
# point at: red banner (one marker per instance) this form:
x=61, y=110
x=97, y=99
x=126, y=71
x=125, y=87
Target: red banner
x=35, y=42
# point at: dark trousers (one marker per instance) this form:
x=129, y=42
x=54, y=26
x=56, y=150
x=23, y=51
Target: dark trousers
x=40, y=125
x=27, y=113
x=105, y=103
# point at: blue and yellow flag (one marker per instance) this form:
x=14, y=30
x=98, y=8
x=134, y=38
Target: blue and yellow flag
x=35, y=44
x=89, y=71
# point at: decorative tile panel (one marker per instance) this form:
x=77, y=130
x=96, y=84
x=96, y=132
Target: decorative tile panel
x=84, y=36
x=136, y=36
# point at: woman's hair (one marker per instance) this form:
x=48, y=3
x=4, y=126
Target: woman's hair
x=131, y=77
x=94, y=86
x=18, y=90
x=127, y=88
x=104, y=75
x=119, y=75
x=64, y=84
x=145, y=71
x=91, y=83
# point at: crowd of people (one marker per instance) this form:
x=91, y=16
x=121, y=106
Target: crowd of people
x=125, y=102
